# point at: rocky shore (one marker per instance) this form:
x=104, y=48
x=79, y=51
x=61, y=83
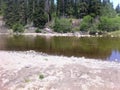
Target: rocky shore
x=31, y=70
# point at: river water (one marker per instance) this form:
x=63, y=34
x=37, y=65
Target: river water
x=104, y=48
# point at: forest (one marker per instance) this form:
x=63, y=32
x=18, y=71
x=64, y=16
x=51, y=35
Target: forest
x=61, y=15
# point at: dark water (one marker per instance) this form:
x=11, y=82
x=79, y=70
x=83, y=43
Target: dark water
x=94, y=47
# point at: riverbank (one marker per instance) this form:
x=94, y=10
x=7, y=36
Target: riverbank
x=56, y=34
x=38, y=71
x=53, y=34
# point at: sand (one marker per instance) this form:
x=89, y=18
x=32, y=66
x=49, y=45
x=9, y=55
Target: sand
x=31, y=70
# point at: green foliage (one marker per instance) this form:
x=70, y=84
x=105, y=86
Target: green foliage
x=14, y=12
x=69, y=9
x=83, y=9
x=41, y=76
x=104, y=24
x=2, y=7
x=38, y=30
x=78, y=8
x=62, y=25
x=25, y=11
x=94, y=7
x=93, y=30
x=109, y=24
x=74, y=29
x=118, y=8
x=40, y=12
x=108, y=10
x=22, y=15
x=40, y=19
x=86, y=23
x=18, y=28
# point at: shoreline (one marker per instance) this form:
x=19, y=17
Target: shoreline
x=38, y=71
x=56, y=34
x=53, y=34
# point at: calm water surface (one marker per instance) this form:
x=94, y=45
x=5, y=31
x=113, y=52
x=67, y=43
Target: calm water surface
x=105, y=48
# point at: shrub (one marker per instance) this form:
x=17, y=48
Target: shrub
x=62, y=25
x=41, y=76
x=86, y=23
x=18, y=28
x=109, y=24
x=75, y=29
x=38, y=30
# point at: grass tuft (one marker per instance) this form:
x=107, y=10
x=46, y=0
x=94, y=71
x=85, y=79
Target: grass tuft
x=41, y=76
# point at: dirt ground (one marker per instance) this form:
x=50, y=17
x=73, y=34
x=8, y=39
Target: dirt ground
x=37, y=71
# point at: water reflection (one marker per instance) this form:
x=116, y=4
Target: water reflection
x=92, y=47
x=115, y=56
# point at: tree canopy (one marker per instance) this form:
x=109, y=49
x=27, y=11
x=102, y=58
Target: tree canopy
x=39, y=12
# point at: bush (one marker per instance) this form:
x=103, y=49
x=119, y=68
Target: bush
x=38, y=30
x=86, y=23
x=62, y=25
x=18, y=28
x=41, y=76
x=109, y=24
x=76, y=29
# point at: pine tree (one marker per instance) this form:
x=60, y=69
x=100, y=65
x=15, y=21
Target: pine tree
x=39, y=15
x=107, y=9
x=70, y=8
x=94, y=7
x=83, y=11
x=22, y=12
x=52, y=7
x=30, y=10
x=105, y=2
x=118, y=8
x=10, y=13
x=39, y=12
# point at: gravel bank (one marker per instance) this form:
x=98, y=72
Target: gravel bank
x=37, y=71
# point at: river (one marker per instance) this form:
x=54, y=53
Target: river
x=103, y=48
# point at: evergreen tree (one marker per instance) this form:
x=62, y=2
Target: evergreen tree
x=60, y=7
x=52, y=7
x=22, y=12
x=105, y=2
x=69, y=9
x=118, y=8
x=94, y=7
x=30, y=10
x=10, y=13
x=107, y=9
x=83, y=9
x=39, y=15
x=39, y=12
